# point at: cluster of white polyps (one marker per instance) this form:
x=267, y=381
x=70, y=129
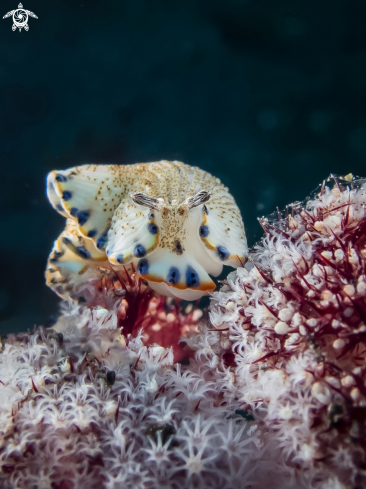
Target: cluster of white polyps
x=84, y=407
x=296, y=324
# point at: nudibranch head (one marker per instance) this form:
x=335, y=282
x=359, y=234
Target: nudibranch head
x=175, y=223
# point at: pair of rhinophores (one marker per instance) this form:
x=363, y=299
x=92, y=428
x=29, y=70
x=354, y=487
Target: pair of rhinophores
x=175, y=223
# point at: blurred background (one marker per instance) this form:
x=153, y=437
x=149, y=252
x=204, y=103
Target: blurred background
x=267, y=95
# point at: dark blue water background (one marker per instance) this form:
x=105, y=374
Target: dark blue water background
x=268, y=95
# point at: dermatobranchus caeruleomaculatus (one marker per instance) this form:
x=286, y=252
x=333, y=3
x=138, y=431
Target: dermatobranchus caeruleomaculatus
x=175, y=223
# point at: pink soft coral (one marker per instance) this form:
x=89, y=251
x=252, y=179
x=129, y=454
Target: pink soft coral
x=81, y=408
x=271, y=393
x=296, y=321
x=162, y=319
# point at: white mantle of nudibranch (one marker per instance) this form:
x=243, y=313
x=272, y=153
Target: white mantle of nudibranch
x=175, y=223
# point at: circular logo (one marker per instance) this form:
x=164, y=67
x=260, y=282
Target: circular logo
x=20, y=18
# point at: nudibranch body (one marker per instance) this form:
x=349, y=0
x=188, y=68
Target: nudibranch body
x=175, y=223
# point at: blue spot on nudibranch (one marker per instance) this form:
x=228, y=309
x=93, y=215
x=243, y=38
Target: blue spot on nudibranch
x=203, y=231
x=82, y=252
x=153, y=228
x=139, y=251
x=92, y=233
x=151, y=215
x=66, y=195
x=61, y=178
x=119, y=258
x=102, y=240
x=192, y=279
x=223, y=253
x=143, y=266
x=83, y=216
x=205, y=209
x=173, y=275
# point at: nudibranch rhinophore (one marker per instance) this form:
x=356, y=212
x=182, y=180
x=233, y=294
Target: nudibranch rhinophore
x=175, y=223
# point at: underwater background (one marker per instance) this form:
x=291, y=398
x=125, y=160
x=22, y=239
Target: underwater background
x=267, y=95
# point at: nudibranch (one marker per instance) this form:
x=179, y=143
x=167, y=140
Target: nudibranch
x=175, y=223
